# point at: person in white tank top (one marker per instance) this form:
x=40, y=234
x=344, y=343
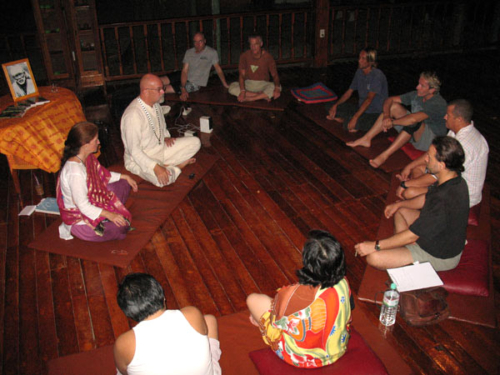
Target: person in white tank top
x=165, y=341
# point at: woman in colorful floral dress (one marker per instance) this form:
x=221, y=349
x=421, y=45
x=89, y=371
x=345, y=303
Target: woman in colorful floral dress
x=307, y=324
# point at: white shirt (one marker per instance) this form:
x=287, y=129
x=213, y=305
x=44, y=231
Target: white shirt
x=73, y=182
x=142, y=149
x=170, y=345
x=476, y=160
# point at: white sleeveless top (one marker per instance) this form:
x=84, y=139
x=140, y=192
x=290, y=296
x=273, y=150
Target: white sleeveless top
x=169, y=345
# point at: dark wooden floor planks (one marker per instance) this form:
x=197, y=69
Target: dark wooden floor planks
x=240, y=230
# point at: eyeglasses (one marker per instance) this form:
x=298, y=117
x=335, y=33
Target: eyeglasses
x=158, y=89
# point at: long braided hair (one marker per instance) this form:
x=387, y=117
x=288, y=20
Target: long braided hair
x=79, y=135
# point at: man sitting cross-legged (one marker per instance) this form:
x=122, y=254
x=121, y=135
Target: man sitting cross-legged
x=419, y=126
x=255, y=66
x=459, y=122
x=431, y=227
x=150, y=151
x=165, y=341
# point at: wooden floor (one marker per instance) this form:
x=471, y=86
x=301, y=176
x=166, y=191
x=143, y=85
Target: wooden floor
x=242, y=227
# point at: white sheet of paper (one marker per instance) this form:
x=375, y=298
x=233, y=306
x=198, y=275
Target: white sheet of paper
x=27, y=211
x=415, y=276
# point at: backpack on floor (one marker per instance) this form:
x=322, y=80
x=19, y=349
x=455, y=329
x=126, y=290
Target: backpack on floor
x=425, y=306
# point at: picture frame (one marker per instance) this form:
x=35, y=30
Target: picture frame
x=20, y=79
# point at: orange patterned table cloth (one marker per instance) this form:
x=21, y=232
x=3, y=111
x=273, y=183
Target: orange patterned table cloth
x=37, y=138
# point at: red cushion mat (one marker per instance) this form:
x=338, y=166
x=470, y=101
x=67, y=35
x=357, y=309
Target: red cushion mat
x=359, y=359
x=469, y=308
x=471, y=276
x=409, y=150
x=317, y=113
x=238, y=338
x=218, y=95
x=95, y=362
x=150, y=207
x=474, y=214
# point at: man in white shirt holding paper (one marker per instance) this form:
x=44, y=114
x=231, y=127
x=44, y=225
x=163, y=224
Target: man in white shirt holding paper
x=431, y=227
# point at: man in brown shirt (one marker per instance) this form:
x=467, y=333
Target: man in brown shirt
x=255, y=67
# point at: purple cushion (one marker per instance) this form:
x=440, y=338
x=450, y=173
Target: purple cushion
x=474, y=215
x=359, y=359
x=471, y=276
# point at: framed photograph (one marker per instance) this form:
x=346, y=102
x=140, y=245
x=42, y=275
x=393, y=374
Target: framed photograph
x=20, y=79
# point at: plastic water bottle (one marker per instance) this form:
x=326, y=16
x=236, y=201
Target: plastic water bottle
x=389, y=306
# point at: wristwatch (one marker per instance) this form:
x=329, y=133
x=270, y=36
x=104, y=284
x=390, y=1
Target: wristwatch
x=403, y=185
x=377, y=245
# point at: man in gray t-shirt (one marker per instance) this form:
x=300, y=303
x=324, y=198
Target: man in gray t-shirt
x=198, y=62
x=420, y=125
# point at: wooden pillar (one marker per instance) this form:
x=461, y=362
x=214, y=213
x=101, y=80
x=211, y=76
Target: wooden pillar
x=216, y=10
x=322, y=12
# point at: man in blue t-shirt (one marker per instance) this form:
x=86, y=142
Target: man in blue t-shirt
x=371, y=85
x=420, y=125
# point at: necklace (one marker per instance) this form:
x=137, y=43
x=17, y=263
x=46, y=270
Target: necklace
x=80, y=160
x=150, y=120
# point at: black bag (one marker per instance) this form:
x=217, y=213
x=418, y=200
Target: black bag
x=425, y=306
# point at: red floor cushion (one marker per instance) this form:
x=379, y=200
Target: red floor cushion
x=359, y=359
x=474, y=213
x=409, y=150
x=471, y=276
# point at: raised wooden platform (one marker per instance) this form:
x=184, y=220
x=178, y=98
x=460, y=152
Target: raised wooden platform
x=241, y=229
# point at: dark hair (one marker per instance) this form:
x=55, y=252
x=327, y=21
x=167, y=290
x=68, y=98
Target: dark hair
x=79, y=135
x=139, y=296
x=323, y=260
x=450, y=152
x=462, y=108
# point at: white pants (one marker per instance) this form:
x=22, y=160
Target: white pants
x=183, y=149
x=253, y=86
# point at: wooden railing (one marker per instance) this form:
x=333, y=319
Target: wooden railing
x=132, y=49
x=291, y=36
x=413, y=27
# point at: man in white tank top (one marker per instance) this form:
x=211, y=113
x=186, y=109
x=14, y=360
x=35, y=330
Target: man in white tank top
x=165, y=341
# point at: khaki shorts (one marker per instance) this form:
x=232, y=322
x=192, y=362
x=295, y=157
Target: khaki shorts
x=420, y=255
x=253, y=86
x=425, y=140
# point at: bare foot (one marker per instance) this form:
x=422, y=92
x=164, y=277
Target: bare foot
x=362, y=142
x=378, y=161
x=189, y=161
x=353, y=130
x=337, y=119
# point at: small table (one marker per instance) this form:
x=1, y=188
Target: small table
x=36, y=140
